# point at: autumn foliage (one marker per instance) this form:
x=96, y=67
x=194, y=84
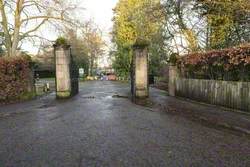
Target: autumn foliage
x=226, y=64
x=14, y=78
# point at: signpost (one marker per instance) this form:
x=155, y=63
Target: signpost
x=81, y=72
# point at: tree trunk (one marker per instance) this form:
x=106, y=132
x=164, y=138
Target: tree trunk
x=16, y=36
x=11, y=42
x=4, y=23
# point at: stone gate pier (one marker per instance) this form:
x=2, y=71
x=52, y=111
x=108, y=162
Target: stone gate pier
x=173, y=76
x=66, y=72
x=139, y=72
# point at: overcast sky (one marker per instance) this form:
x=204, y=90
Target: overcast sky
x=100, y=11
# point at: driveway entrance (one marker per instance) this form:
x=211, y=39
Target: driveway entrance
x=102, y=127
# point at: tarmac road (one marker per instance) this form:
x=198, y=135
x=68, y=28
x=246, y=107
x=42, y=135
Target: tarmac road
x=102, y=127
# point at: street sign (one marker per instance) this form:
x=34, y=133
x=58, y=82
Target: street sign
x=81, y=72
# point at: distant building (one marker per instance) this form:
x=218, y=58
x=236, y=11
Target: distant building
x=45, y=64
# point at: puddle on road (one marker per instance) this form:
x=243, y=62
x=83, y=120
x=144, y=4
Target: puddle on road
x=46, y=106
x=88, y=97
x=119, y=96
x=144, y=102
x=116, y=96
x=107, y=96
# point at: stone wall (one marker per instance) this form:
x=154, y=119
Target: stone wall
x=230, y=94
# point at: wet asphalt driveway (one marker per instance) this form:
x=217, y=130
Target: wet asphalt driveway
x=102, y=127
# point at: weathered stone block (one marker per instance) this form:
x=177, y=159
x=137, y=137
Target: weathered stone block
x=66, y=81
x=173, y=75
x=139, y=72
x=63, y=95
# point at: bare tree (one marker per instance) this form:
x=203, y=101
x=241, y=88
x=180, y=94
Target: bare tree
x=94, y=42
x=185, y=30
x=20, y=19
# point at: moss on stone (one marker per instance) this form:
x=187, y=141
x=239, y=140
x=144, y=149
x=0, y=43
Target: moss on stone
x=61, y=41
x=141, y=43
x=63, y=95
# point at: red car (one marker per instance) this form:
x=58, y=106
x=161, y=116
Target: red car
x=111, y=77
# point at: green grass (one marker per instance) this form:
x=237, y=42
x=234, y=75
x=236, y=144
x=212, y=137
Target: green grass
x=27, y=96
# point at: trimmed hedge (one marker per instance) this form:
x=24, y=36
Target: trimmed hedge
x=227, y=64
x=15, y=79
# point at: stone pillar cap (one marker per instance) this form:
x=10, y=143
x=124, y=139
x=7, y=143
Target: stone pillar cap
x=141, y=43
x=64, y=46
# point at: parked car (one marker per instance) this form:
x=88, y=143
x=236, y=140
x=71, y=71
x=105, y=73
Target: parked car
x=111, y=77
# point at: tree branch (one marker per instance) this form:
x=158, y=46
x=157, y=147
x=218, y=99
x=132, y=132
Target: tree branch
x=33, y=30
x=41, y=17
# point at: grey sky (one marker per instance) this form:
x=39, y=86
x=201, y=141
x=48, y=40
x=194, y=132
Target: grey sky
x=100, y=11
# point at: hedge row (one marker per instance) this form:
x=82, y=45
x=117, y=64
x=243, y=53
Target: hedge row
x=228, y=64
x=15, y=78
